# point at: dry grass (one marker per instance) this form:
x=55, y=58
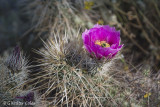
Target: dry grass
x=140, y=24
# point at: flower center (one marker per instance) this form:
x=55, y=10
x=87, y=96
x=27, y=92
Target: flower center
x=103, y=44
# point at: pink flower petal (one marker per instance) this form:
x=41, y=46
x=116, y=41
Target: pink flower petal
x=102, y=33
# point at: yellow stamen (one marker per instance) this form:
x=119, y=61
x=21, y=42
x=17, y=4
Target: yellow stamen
x=103, y=44
x=98, y=42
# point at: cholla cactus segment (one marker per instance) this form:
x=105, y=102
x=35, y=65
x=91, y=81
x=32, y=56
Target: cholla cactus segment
x=102, y=41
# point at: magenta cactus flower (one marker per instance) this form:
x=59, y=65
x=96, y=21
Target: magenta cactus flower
x=102, y=41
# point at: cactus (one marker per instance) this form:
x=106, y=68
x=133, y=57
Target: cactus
x=69, y=76
x=13, y=70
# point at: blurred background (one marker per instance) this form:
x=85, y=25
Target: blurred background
x=26, y=22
